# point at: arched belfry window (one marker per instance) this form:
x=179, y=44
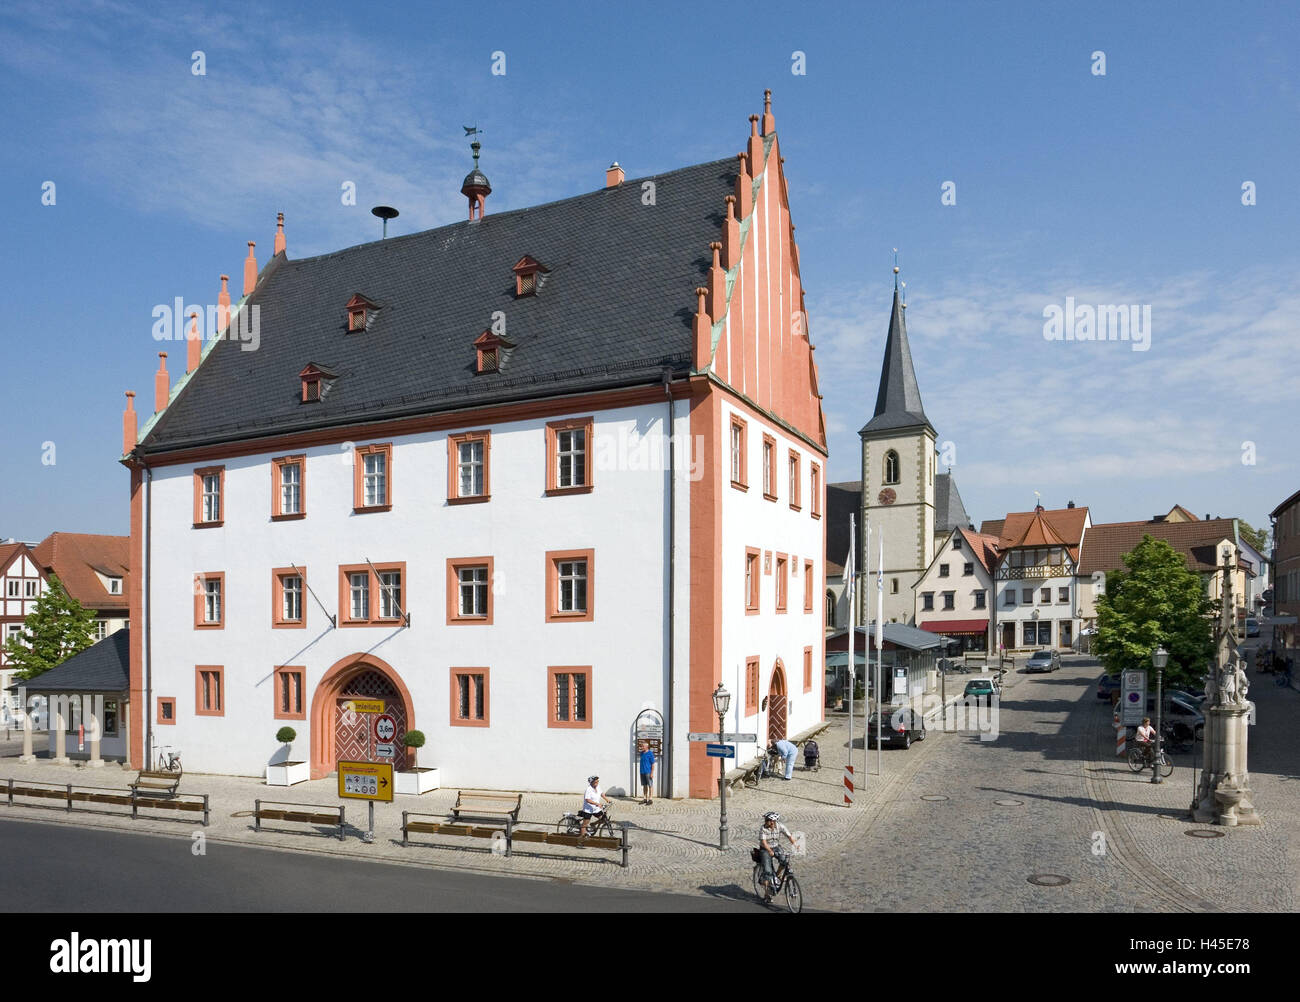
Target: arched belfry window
x=891, y=467
x=830, y=609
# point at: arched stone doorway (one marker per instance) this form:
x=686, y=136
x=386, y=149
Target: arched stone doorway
x=776, y=704
x=340, y=733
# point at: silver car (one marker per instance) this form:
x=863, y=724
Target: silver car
x=1043, y=660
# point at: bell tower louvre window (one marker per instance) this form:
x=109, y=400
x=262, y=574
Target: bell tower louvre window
x=529, y=274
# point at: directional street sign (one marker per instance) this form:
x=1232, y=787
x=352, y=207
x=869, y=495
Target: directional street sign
x=713, y=736
x=720, y=751
x=364, y=705
x=366, y=780
x=385, y=750
x=385, y=727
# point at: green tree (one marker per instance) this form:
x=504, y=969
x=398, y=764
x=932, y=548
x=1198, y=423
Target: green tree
x=1257, y=538
x=1156, y=602
x=55, y=630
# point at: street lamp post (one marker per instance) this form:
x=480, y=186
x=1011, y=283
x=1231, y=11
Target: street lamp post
x=721, y=703
x=1159, y=658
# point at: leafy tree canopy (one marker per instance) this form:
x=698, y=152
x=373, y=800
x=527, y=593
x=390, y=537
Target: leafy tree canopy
x=1257, y=538
x=56, y=629
x=1155, y=602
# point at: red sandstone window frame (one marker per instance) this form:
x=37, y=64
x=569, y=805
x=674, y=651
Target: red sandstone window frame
x=454, y=442
x=204, y=707
x=738, y=453
x=553, y=429
x=769, y=468
x=200, y=595
x=807, y=669
x=807, y=586
x=278, y=514
x=782, y=582
x=753, y=577
x=374, y=598
x=278, y=622
x=816, y=477
x=471, y=720
x=796, y=471
x=553, y=560
x=552, y=697
x=165, y=720
x=359, y=506
x=454, y=566
x=199, y=474
x=283, y=692
x=751, y=686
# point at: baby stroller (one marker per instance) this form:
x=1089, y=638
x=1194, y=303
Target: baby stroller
x=812, y=758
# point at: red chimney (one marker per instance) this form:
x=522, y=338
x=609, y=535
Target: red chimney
x=193, y=346
x=279, y=233
x=613, y=175
x=161, y=383
x=730, y=236
x=223, y=305
x=769, y=123
x=129, y=427
x=755, y=147
x=717, y=284
x=744, y=188
x=250, y=270
x=703, y=333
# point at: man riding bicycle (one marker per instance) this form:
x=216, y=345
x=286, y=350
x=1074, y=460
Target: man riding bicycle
x=1146, y=737
x=593, y=802
x=769, y=846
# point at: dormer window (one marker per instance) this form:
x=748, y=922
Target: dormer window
x=492, y=351
x=529, y=274
x=316, y=382
x=359, y=309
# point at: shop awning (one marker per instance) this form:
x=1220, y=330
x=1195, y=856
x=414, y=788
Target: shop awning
x=956, y=626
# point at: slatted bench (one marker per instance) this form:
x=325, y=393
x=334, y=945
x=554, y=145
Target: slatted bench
x=107, y=796
x=315, y=814
x=508, y=833
x=151, y=783
x=484, y=805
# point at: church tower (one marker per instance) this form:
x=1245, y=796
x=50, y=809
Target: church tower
x=898, y=478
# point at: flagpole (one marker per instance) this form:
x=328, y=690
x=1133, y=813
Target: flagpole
x=851, y=573
x=880, y=635
x=866, y=672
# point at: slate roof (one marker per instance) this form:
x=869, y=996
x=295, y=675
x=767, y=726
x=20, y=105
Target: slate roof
x=614, y=310
x=75, y=556
x=897, y=634
x=102, y=667
x=1197, y=541
x=949, y=512
x=842, y=500
x=898, y=400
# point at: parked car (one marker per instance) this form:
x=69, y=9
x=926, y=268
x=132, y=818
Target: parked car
x=900, y=726
x=1184, y=711
x=1043, y=660
x=982, y=688
x=1108, y=687
x=1252, y=626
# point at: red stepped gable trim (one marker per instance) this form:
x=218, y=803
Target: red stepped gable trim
x=279, y=233
x=161, y=383
x=193, y=343
x=250, y=269
x=130, y=425
x=223, y=304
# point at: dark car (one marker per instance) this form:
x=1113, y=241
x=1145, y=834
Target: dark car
x=1108, y=687
x=982, y=688
x=900, y=726
x=1043, y=660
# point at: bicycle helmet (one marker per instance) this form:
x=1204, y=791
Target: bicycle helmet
x=591, y=780
x=771, y=816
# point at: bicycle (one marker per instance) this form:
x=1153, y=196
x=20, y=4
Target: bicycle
x=771, y=764
x=783, y=880
x=600, y=826
x=1140, y=757
x=168, y=760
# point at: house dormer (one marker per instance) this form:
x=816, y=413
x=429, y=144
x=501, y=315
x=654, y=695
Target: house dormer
x=492, y=352
x=316, y=382
x=528, y=276
x=359, y=310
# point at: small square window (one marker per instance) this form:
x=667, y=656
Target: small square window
x=967, y=570
x=209, y=600
x=288, y=500
x=470, y=589
x=570, y=576
x=470, y=697
x=569, y=456
x=209, y=681
x=166, y=712
x=288, y=588
x=468, y=467
x=209, y=492
x=943, y=570
x=288, y=693
x=570, y=696
x=372, y=488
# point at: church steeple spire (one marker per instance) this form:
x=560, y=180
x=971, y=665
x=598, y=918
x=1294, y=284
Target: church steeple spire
x=898, y=401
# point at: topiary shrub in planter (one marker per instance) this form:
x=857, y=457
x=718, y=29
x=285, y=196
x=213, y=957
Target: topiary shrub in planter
x=286, y=772
x=412, y=780
x=413, y=740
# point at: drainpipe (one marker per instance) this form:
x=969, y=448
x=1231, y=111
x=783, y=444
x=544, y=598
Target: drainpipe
x=148, y=620
x=672, y=575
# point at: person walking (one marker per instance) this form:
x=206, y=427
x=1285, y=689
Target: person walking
x=789, y=753
x=647, y=769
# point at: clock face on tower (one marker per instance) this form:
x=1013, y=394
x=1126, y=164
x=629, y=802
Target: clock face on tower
x=887, y=496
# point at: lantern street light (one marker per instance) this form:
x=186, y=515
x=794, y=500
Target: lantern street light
x=721, y=703
x=1159, y=658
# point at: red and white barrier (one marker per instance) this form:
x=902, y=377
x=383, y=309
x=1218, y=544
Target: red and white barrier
x=848, y=785
x=1121, y=737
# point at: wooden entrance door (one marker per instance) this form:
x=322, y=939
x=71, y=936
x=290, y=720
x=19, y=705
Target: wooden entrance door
x=354, y=732
x=1009, y=635
x=776, y=705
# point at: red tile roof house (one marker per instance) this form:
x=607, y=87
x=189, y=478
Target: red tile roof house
x=22, y=582
x=481, y=522
x=95, y=570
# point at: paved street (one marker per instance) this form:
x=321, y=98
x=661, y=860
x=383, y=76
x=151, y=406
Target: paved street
x=1028, y=804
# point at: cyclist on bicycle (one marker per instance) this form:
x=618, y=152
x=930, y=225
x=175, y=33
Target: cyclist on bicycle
x=1146, y=734
x=769, y=846
x=593, y=802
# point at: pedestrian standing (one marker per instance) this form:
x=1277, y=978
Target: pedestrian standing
x=647, y=769
x=789, y=752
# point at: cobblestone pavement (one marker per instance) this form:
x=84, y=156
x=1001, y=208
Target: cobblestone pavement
x=1052, y=764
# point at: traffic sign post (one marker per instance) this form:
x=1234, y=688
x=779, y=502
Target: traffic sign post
x=713, y=736
x=720, y=751
x=369, y=781
x=364, y=705
x=385, y=727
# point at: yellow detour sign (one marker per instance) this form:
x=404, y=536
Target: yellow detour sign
x=364, y=705
x=366, y=780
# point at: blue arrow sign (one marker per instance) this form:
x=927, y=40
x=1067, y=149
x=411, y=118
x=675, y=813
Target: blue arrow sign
x=720, y=751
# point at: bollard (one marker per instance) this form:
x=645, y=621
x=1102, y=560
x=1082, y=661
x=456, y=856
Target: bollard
x=134, y=805
x=341, y=809
x=257, y=815
x=69, y=797
x=404, y=814
x=510, y=824
x=205, y=810
x=11, y=791
x=623, y=825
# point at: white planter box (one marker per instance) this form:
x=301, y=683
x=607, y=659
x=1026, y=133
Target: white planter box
x=417, y=782
x=288, y=773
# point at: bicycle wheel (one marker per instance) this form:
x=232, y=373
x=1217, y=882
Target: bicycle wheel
x=605, y=829
x=568, y=825
x=758, y=881
x=1166, y=764
x=793, y=894
x=1136, y=759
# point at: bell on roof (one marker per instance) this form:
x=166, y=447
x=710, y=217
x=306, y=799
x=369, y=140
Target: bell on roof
x=476, y=187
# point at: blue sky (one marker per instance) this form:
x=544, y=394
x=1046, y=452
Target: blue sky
x=1117, y=189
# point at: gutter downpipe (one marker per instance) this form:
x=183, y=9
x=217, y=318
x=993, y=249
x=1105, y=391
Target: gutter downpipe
x=148, y=618
x=672, y=576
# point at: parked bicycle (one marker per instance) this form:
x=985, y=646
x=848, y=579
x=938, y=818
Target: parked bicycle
x=168, y=759
x=1141, y=755
x=771, y=764
x=783, y=881
x=601, y=825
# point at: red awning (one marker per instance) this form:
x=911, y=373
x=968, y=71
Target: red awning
x=956, y=626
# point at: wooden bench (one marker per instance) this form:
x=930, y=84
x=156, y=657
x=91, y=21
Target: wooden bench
x=315, y=815
x=151, y=783
x=507, y=834
x=478, y=804
x=106, y=796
